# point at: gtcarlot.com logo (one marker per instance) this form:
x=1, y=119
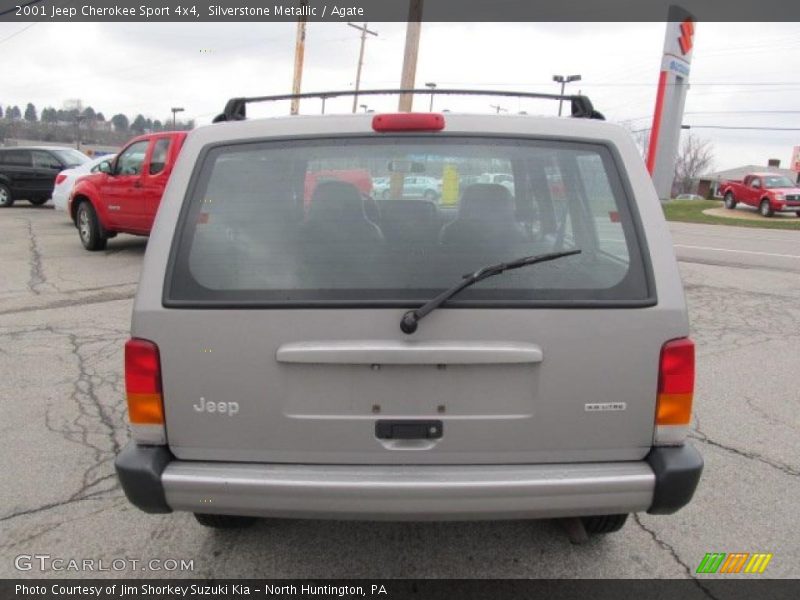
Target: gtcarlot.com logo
x=735, y=562
x=46, y=562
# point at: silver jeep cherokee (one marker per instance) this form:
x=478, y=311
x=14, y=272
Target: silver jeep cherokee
x=302, y=349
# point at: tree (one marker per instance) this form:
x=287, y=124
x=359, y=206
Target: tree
x=100, y=117
x=695, y=157
x=120, y=122
x=1, y=112
x=13, y=112
x=89, y=114
x=30, y=113
x=158, y=125
x=139, y=124
x=49, y=115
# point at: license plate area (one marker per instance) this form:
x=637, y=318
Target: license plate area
x=408, y=430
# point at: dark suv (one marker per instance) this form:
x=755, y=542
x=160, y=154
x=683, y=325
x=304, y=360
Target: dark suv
x=30, y=172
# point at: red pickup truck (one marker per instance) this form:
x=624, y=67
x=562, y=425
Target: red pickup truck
x=769, y=192
x=124, y=194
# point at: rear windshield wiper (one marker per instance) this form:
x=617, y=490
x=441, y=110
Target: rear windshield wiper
x=408, y=324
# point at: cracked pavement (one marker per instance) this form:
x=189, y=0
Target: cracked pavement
x=64, y=316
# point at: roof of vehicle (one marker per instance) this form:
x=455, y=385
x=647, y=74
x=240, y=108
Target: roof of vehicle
x=37, y=148
x=766, y=174
x=361, y=124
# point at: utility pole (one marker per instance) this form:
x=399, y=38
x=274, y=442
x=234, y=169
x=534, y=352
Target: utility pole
x=497, y=108
x=410, y=55
x=299, y=51
x=364, y=31
x=564, y=81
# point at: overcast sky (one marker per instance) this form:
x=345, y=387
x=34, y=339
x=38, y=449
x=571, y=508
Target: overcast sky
x=738, y=69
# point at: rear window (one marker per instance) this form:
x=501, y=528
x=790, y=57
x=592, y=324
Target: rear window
x=392, y=221
x=70, y=157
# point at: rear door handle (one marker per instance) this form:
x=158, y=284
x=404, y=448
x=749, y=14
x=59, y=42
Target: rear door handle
x=390, y=352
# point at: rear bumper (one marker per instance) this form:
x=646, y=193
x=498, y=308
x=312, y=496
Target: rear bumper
x=155, y=482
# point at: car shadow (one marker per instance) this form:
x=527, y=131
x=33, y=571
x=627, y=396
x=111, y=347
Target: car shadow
x=362, y=549
x=133, y=245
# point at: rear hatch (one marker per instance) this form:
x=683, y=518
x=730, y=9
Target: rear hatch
x=280, y=335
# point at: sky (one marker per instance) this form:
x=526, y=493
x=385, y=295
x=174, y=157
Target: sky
x=743, y=74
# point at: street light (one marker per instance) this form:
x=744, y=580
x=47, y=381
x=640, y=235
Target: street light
x=564, y=81
x=364, y=106
x=432, y=86
x=175, y=110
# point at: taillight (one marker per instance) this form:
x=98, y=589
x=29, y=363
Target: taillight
x=60, y=178
x=675, y=391
x=408, y=122
x=143, y=390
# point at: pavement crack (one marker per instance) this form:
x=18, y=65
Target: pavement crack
x=703, y=438
x=674, y=554
x=101, y=298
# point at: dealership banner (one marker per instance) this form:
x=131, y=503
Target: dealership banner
x=391, y=10
x=696, y=587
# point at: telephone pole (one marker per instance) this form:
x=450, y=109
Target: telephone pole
x=299, y=51
x=364, y=31
x=410, y=55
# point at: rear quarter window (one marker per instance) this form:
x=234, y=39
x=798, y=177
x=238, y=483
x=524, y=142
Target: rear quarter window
x=368, y=233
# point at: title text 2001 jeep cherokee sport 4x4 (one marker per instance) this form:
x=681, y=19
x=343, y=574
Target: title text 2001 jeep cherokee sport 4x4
x=291, y=358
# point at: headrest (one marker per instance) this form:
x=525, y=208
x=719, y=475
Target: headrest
x=336, y=200
x=486, y=201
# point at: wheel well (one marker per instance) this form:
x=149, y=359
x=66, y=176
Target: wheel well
x=76, y=202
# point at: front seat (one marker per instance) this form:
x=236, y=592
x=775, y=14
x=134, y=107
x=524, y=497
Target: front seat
x=486, y=217
x=339, y=243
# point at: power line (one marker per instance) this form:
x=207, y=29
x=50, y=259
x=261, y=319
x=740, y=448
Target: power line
x=740, y=127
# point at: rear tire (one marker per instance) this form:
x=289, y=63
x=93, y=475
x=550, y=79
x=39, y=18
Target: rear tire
x=765, y=209
x=602, y=524
x=89, y=227
x=38, y=201
x=6, y=199
x=430, y=196
x=223, y=521
x=730, y=201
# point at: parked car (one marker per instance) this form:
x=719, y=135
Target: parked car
x=29, y=172
x=768, y=192
x=504, y=179
x=124, y=194
x=414, y=186
x=66, y=180
x=320, y=364
x=688, y=197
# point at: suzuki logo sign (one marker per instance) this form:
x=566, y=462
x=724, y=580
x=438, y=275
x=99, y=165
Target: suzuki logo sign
x=687, y=33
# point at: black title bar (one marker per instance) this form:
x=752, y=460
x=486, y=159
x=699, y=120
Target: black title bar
x=391, y=10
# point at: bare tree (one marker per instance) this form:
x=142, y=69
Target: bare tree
x=695, y=157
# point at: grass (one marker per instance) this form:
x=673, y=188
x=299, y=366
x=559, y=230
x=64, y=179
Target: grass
x=691, y=211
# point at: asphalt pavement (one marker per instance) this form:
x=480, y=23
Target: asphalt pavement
x=64, y=316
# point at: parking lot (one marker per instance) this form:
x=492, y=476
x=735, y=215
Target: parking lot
x=64, y=316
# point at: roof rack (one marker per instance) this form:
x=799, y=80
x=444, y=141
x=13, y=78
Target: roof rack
x=235, y=109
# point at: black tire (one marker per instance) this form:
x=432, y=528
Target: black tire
x=602, y=524
x=89, y=230
x=38, y=201
x=430, y=195
x=6, y=199
x=765, y=209
x=798, y=213
x=223, y=521
x=730, y=201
